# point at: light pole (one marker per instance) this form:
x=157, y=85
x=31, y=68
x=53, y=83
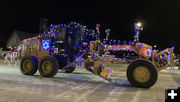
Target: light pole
x=138, y=27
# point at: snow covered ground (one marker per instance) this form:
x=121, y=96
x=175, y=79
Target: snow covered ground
x=80, y=86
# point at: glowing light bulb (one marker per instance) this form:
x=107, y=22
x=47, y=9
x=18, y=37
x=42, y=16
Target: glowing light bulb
x=139, y=24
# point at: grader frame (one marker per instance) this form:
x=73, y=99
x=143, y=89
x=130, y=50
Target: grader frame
x=62, y=47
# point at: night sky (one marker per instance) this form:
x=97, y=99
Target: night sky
x=160, y=18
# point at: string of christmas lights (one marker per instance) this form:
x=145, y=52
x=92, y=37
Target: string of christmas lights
x=138, y=27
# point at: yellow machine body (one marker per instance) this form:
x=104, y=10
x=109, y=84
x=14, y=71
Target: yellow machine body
x=33, y=46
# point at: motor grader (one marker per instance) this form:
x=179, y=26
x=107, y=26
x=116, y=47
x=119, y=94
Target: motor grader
x=62, y=46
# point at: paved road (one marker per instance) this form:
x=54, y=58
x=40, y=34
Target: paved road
x=80, y=86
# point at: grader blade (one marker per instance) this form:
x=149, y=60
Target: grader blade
x=99, y=67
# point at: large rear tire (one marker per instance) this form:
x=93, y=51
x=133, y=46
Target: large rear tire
x=48, y=66
x=29, y=65
x=142, y=73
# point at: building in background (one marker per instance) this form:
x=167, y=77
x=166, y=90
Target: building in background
x=16, y=37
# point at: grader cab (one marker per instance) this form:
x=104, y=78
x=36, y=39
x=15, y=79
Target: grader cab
x=62, y=46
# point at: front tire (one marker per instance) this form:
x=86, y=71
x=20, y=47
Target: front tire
x=29, y=65
x=142, y=73
x=48, y=66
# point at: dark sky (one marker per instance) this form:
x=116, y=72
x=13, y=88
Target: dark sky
x=160, y=18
